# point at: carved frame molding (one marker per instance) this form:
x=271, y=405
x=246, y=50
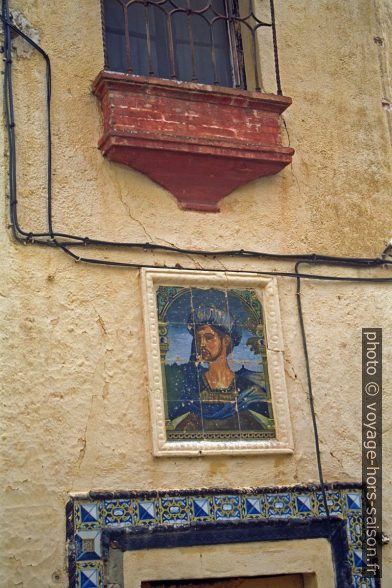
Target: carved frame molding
x=267, y=292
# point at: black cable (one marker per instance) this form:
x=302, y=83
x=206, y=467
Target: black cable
x=275, y=46
x=31, y=237
x=9, y=111
x=54, y=237
x=310, y=390
x=222, y=270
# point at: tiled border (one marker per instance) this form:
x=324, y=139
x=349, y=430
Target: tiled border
x=91, y=515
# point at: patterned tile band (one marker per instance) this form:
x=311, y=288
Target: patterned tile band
x=88, y=516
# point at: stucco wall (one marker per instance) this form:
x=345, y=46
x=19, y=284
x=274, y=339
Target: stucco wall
x=75, y=403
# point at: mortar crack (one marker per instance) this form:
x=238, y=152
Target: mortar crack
x=149, y=236
x=291, y=163
x=136, y=220
x=83, y=441
x=221, y=264
x=193, y=260
x=101, y=323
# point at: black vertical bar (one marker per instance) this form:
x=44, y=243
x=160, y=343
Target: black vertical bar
x=148, y=39
x=105, y=56
x=239, y=45
x=230, y=19
x=191, y=41
x=213, y=54
x=255, y=64
x=275, y=43
x=172, y=59
x=127, y=42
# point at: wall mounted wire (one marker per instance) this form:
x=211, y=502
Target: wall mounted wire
x=59, y=239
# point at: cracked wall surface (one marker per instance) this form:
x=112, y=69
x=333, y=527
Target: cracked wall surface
x=74, y=406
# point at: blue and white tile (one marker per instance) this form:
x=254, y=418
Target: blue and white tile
x=201, y=509
x=117, y=513
x=354, y=529
x=87, y=515
x=334, y=502
x=358, y=562
x=279, y=505
x=304, y=504
x=174, y=510
x=88, y=545
x=360, y=582
x=89, y=576
x=90, y=516
x=147, y=512
x=227, y=507
x=353, y=501
x=253, y=507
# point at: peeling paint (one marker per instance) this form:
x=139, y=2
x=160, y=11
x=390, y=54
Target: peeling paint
x=21, y=47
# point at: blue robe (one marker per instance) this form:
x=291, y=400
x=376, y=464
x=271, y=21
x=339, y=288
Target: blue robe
x=186, y=382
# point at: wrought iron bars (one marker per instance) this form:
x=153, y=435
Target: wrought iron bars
x=206, y=41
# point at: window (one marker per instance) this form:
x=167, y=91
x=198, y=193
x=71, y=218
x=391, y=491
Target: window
x=216, y=130
x=189, y=40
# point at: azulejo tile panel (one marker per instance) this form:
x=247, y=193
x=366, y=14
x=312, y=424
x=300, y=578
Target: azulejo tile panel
x=194, y=323
x=89, y=515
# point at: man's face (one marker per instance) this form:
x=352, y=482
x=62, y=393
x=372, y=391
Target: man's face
x=210, y=344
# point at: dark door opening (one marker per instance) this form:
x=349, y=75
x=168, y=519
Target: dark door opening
x=287, y=581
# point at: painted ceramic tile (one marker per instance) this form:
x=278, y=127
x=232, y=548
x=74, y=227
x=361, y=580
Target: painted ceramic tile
x=305, y=505
x=334, y=502
x=117, y=512
x=254, y=507
x=87, y=515
x=227, y=507
x=360, y=582
x=201, y=509
x=279, y=505
x=89, y=576
x=174, y=510
x=214, y=365
x=147, y=512
x=354, y=529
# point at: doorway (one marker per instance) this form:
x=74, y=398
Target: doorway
x=286, y=581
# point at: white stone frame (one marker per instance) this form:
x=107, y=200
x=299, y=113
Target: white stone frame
x=267, y=292
x=310, y=557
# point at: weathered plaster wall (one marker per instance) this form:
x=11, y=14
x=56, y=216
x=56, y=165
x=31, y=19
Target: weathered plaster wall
x=75, y=405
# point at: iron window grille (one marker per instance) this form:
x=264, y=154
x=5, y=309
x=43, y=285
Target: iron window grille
x=204, y=41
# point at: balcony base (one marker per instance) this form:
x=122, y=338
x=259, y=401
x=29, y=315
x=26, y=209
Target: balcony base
x=198, y=142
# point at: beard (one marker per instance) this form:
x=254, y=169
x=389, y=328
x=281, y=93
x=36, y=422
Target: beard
x=207, y=356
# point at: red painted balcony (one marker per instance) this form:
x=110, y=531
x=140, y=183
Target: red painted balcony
x=199, y=142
